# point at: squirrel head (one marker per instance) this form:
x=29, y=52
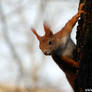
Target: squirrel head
x=49, y=42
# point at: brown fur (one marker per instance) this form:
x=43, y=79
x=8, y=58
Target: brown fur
x=61, y=47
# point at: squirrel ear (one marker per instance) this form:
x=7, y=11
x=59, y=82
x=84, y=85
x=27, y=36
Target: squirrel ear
x=34, y=32
x=47, y=30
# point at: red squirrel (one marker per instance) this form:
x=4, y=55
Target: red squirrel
x=60, y=46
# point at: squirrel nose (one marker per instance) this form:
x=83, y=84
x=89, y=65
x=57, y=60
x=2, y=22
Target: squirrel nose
x=46, y=52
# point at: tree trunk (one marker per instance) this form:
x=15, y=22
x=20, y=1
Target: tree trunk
x=83, y=82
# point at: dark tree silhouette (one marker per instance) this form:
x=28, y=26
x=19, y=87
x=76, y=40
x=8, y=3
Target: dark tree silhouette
x=84, y=50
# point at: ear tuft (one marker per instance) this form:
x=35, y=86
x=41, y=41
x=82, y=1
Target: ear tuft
x=47, y=30
x=35, y=33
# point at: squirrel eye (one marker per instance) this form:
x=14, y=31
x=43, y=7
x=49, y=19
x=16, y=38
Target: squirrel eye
x=50, y=42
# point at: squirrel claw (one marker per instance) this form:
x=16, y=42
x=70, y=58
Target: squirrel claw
x=81, y=6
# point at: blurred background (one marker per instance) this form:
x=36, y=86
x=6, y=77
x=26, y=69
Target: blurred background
x=23, y=67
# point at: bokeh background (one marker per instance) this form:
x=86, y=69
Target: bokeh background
x=23, y=67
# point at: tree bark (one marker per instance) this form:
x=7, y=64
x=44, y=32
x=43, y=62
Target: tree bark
x=83, y=81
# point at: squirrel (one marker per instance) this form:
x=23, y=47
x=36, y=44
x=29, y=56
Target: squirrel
x=60, y=46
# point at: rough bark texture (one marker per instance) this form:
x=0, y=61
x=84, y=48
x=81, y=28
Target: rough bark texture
x=84, y=50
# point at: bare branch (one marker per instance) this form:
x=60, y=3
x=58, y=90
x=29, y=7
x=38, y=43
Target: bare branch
x=14, y=54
